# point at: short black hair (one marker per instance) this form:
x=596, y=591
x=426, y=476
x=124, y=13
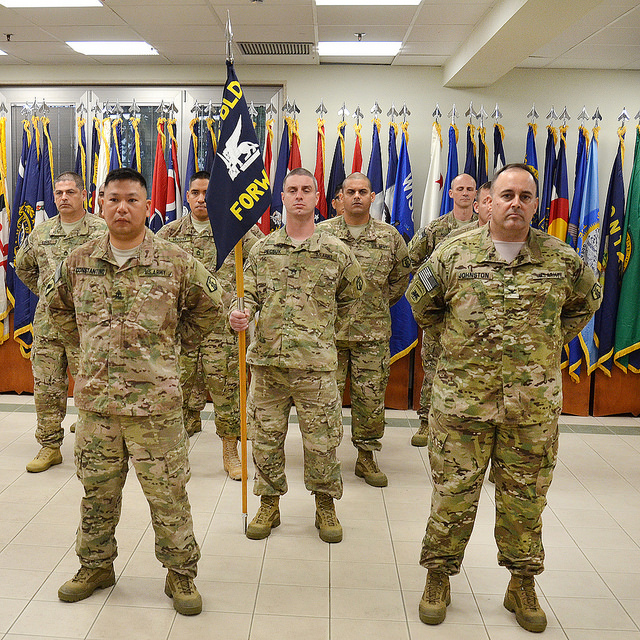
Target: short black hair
x=338, y=191
x=486, y=186
x=199, y=175
x=125, y=173
x=72, y=176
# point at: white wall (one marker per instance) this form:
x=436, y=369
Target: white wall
x=419, y=87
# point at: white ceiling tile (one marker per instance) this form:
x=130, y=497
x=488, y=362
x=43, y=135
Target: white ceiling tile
x=428, y=61
x=167, y=15
x=448, y=13
x=263, y=14
x=373, y=33
x=353, y=16
x=430, y=48
x=84, y=33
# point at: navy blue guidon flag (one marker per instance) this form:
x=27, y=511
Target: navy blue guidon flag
x=238, y=191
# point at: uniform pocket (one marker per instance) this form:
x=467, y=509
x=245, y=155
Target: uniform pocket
x=437, y=454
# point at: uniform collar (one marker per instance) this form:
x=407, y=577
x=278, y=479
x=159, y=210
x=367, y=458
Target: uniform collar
x=102, y=250
x=344, y=234
x=530, y=253
x=80, y=230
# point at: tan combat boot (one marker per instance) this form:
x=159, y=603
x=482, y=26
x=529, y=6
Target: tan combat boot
x=186, y=599
x=267, y=518
x=421, y=437
x=230, y=460
x=327, y=522
x=192, y=421
x=85, y=582
x=522, y=600
x=47, y=457
x=435, y=599
x=367, y=468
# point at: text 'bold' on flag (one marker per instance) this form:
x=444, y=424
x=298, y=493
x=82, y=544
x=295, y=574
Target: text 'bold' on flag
x=238, y=192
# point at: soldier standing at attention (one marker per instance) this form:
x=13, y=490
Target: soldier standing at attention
x=363, y=337
x=36, y=261
x=463, y=189
x=124, y=298
x=302, y=280
x=502, y=299
x=213, y=366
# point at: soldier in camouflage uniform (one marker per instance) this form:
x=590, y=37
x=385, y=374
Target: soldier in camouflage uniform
x=214, y=365
x=503, y=299
x=422, y=244
x=300, y=279
x=363, y=337
x=36, y=261
x=125, y=298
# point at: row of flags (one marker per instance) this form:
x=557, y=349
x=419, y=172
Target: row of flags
x=32, y=203
x=579, y=224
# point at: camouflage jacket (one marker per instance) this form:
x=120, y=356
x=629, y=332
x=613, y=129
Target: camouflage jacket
x=201, y=246
x=502, y=326
x=428, y=238
x=383, y=257
x=300, y=293
x=129, y=322
x=46, y=247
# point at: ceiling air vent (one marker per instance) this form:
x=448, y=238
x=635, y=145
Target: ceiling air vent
x=275, y=48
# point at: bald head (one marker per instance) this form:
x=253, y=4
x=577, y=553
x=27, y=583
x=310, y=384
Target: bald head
x=463, y=191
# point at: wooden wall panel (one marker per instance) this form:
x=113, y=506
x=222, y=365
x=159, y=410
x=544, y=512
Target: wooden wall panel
x=618, y=394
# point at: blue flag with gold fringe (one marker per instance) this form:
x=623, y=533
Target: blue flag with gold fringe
x=238, y=192
x=277, y=208
x=22, y=222
x=627, y=346
x=446, y=204
x=337, y=173
x=471, y=164
x=404, y=330
x=610, y=261
x=541, y=220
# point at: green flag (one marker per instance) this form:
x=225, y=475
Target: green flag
x=627, y=342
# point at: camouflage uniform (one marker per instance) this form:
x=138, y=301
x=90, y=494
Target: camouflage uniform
x=420, y=248
x=126, y=320
x=299, y=291
x=498, y=386
x=362, y=338
x=214, y=365
x=36, y=261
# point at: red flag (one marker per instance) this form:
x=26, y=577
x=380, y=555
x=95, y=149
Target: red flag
x=264, y=224
x=319, y=170
x=160, y=182
x=357, y=151
x=559, y=208
x=295, y=160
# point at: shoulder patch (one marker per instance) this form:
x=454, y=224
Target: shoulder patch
x=417, y=291
x=428, y=279
x=212, y=284
x=406, y=262
x=596, y=291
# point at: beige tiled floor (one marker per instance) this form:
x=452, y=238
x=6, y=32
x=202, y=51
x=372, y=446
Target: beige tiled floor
x=295, y=586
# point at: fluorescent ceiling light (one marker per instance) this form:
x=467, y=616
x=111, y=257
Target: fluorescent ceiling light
x=29, y=4
x=358, y=48
x=3, y=53
x=369, y=3
x=115, y=48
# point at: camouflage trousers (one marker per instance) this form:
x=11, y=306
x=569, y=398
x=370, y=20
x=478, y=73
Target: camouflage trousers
x=49, y=360
x=430, y=353
x=157, y=447
x=214, y=367
x=367, y=365
x=523, y=460
x=272, y=393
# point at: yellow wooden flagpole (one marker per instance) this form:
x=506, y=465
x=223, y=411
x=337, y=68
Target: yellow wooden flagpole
x=242, y=357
